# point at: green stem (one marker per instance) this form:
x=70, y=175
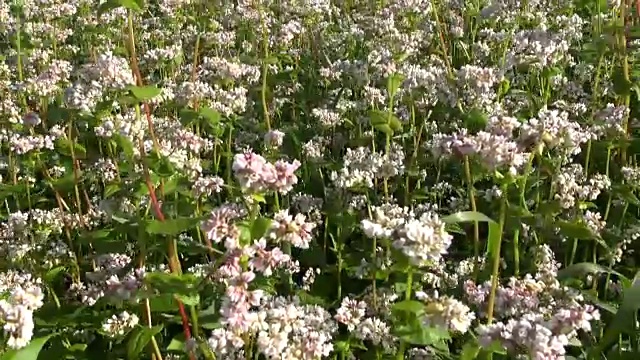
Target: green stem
x=476, y=227
x=407, y=296
x=496, y=260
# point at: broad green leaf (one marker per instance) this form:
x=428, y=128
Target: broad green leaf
x=495, y=236
x=52, y=274
x=575, y=230
x=29, y=352
x=470, y=350
x=169, y=283
x=172, y=227
x=65, y=147
x=625, y=192
x=190, y=300
x=259, y=227
x=133, y=5
x=377, y=117
x=395, y=123
x=624, y=322
x=580, y=270
x=139, y=339
x=188, y=116
x=259, y=198
x=126, y=145
x=384, y=128
x=211, y=116
x=393, y=83
x=177, y=343
x=475, y=120
x=144, y=93
x=423, y=336
x=411, y=306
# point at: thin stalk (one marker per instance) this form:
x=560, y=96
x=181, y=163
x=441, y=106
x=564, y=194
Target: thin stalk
x=476, y=227
x=174, y=261
x=496, y=260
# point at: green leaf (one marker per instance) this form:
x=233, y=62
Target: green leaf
x=29, y=352
x=380, y=121
x=139, y=340
x=470, y=350
x=133, y=5
x=260, y=227
x=172, y=227
x=52, y=274
x=169, y=283
x=144, y=93
x=384, y=128
x=580, y=231
x=625, y=192
x=475, y=120
x=126, y=145
x=188, y=116
x=394, y=123
x=66, y=146
x=377, y=117
x=211, y=116
x=190, y=299
x=495, y=235
x=393, y=84
x=575, y=230
x=423, y=336
x=259, y=198
x=580, y=270
x=411, y=306
x=624, y=322
x=177, y=343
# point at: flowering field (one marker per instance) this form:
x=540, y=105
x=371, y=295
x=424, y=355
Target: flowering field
x=297, y=179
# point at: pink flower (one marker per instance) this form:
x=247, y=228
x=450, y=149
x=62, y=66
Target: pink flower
x=286, y=178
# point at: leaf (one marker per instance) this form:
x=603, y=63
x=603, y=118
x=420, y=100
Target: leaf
x=580, y=270
x=466, y=216
x=66, y=146
x=393, y=83
x=626, y=193
x=52, y=274
x=379, y=121
x=384, y=128
x=475, y=120
x=260, y=227
x=139, y=340
x=29, y=352
x=177, y=343
x=169, y=283
x=575, y=230
x=495, y=235
x=411, y=306
x=395, y=123
x=133, y=5
x=188, y=116
x=423, y=336
x=624, y=322
x=470, y=350
x=190, y=300
x=172, y=227
x=126, y=145
x=211, y=116
x=144, y=93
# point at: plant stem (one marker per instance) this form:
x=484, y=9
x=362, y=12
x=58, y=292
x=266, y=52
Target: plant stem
x=476, y=227
x=496, y=260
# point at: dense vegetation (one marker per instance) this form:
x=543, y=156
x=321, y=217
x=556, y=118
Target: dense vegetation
x=296, y=179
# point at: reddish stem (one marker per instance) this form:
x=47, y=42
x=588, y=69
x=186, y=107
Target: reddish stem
x=174, y=262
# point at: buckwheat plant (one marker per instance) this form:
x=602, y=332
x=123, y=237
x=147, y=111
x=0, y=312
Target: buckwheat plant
x=307, y=180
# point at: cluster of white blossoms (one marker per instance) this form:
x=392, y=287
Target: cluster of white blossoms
x=16, y=312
